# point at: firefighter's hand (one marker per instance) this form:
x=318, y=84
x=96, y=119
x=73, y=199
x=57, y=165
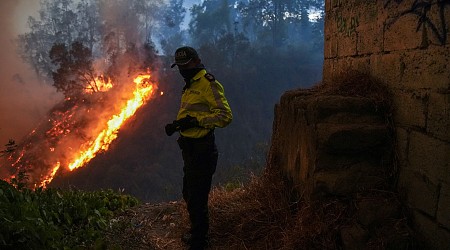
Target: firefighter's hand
x=187, y=122
x=171, y=128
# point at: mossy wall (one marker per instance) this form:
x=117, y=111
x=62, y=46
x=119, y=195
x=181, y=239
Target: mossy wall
x=405, y=44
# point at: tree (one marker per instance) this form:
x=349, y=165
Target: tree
x=89, y=25
x=57, y=23
x=272, y=18
x=210, y=21
x=170, y=33
x=106, y=27
x=74, y=72
x=9, y=148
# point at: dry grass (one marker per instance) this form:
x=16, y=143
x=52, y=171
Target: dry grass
x=260, y=216
x=358, y=84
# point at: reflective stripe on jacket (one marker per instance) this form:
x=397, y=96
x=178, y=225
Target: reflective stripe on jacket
x=204, y=100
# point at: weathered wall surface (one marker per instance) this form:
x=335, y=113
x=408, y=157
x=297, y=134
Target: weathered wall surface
x=406, y=44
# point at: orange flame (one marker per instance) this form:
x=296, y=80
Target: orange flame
x=100, y=84
x=141, y=94
x=50, y=175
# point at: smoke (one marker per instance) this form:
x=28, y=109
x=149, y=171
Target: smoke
x=24, y=100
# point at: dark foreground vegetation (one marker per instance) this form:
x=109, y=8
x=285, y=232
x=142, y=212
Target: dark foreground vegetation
x=56, y=219
x=259, y=215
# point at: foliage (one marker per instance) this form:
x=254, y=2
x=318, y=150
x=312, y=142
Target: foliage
x=75, y=72
x=278, y=21
x=9, y=148
x=210, y=20
x=106, y=28
x=170, y=33
x=56, y=219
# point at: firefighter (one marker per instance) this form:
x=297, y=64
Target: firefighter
x=203, y=108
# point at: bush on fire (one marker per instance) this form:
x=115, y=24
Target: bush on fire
x=56, y=219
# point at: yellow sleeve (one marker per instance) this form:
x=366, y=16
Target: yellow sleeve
x=220, y=112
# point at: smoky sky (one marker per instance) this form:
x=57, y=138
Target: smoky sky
x=24, y=99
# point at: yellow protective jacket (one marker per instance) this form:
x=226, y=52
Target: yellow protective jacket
x=204, y=100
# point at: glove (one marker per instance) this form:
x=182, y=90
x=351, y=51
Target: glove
x=172, y=128
x=182, y=124
x=187, y=122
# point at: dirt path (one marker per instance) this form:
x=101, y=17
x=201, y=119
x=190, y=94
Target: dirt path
x=151, y=226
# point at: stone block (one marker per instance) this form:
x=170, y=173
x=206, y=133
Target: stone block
x=430, y=157
x=370, y=40
x=388, y=68
x=428, y=68
x=421, y=193
x=395, y=8
x=346, y=21
x=370, y=32
x=402, y=137
x=330, y=49
x=346, y=45
x=330, y=40
x=436, y=237
x=322, y=108
x=410, y=108
x=443, y=212
x=438, y=122
x=341, y=65
x=400, y=33
x=347, y=181
x=361, y=64
x=377, y=210
x=336, y=3
x=350, y=139
x=328, y=5
x=327, y=72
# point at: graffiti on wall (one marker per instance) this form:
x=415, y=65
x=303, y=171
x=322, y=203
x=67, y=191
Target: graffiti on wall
x=421, y=9
x=346, y=25
x=336, y=3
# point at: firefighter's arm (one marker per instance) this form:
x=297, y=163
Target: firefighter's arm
x=220, y=115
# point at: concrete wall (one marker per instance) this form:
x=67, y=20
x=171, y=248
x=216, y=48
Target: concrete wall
x=406, y=44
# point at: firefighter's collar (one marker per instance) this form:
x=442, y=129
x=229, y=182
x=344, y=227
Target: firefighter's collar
x=198, y=75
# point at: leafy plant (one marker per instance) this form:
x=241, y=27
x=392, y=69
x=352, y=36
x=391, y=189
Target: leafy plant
x=56, y=219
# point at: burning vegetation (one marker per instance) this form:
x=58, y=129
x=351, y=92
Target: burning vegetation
x=84, y=123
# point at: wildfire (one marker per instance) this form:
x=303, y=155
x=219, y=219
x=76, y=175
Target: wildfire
x=100, y=84
x=141, y=94
x=50, y=176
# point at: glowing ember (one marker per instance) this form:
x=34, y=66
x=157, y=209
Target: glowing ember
x=50, y=176
x=141, y=94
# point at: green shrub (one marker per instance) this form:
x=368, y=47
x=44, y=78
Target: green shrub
x=56, y=219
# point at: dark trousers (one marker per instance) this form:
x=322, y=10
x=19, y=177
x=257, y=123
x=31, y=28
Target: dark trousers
x=200, y=160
